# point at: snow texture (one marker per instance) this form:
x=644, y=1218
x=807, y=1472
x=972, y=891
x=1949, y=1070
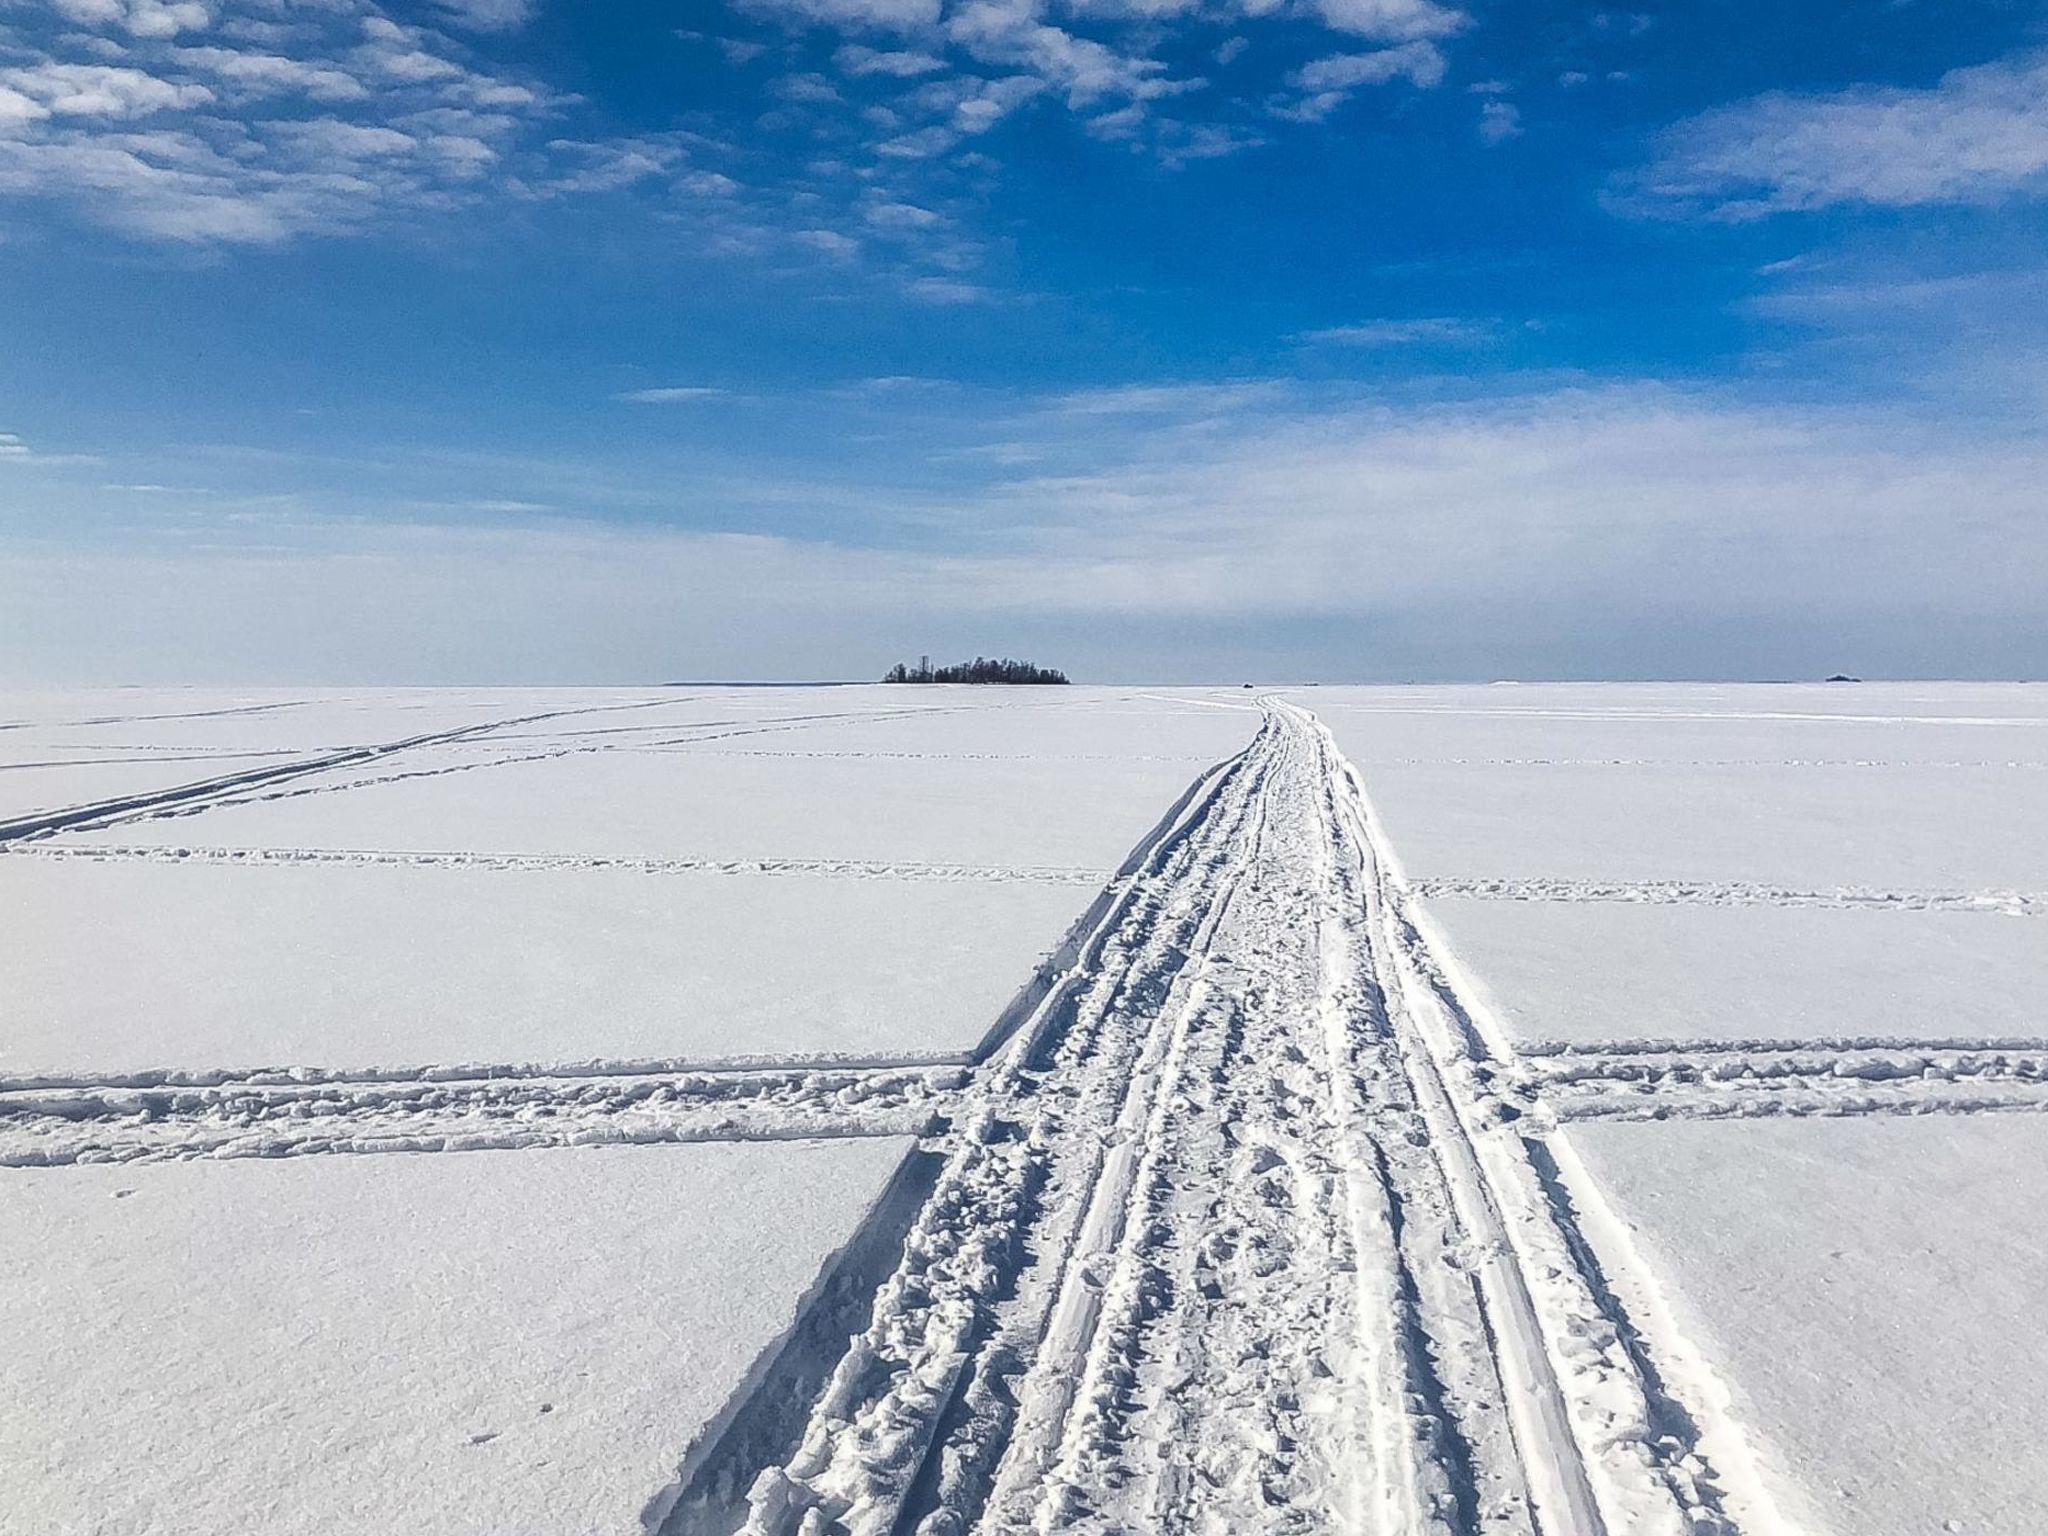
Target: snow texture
x=1871, y=1292
x=571, y=876
x=1594, y=972
x=381, y=965
x=1321, y=1172
x=472, y=1344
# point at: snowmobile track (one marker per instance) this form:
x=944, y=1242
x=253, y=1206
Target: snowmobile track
x=1250, y=1226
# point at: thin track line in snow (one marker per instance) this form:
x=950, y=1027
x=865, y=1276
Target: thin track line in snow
x=187, y=799
x=859, y=869
x=1710, y=893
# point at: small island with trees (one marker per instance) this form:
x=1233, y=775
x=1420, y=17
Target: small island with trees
x=979, y=670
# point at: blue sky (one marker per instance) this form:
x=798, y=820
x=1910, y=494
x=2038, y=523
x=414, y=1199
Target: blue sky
x=505, y=340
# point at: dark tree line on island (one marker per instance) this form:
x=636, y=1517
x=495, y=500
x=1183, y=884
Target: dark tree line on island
x=979, y=670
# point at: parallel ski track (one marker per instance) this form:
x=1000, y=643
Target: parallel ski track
x=1240, y=1233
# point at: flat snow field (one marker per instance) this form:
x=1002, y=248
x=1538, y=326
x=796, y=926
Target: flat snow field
x=1607, y=863
x=1590, y=973
x=1870, y=1292
x=394, y=965
x=1571, y=1110
x=665, y=875
x=474, y=1342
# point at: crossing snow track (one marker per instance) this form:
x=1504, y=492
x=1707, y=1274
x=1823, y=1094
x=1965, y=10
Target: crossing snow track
x=1250, y=1226
x=1245, y=1218
x=188, y=797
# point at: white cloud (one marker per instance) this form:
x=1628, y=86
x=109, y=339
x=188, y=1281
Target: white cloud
x=669, y=394
x=1181, y=401
x=1408, y=332
x=1105, y=60
x=12, y=448
x=855, y=59
x=920, y=145
x=828, y=242
x=403, y=53
x=1499, y=121
x=15, y=107
x=269, y=74
x=1391, y=21
x=142, y=18
x=946, y=290
x=100, y=90
x=1322, y=85
x=607, y=165
x=208, y=141
x=488, y=15
x=331, y=139
x=1977, y=135
x=1632, y=531
x=884, y=15
x=900, y=216
x=813, y=88
x=1013, y=34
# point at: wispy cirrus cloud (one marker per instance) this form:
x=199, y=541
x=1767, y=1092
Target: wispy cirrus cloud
x=669, y=394
x=1977, y=135
x=1448, y=330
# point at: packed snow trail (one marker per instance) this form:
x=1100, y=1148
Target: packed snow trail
x=1234, y=1234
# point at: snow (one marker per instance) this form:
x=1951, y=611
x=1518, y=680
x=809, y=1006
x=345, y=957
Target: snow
x=689, y=805
x=679, y=804
x=1871, y=1293
x=1013, y=789
x=1610, y=1108
x=1762, y=972
x=1907, y=828
x=1898, y=787
x=379, y=966
x=478, y=1343
x=1690, y=723
x=45, y=785
x=1593, y=972
x=541, y=892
